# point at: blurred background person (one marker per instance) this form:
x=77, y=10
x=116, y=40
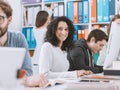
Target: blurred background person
x=102, y=54
x=39, y=31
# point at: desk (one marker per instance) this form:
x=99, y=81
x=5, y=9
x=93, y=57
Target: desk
x=76, y=86
x=83, y=86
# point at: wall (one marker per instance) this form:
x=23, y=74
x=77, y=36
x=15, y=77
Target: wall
x=17, y=16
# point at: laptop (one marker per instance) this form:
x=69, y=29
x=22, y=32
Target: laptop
x=11, y=60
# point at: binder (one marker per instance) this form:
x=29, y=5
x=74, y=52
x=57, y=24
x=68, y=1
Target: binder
x=80, y=12
x=111, y=9
x=105, y=10
x=55, y=10
x=93, y=10
x=70, y=10
x=75, y=12
x=99, y=10
x=85, y=11
x=60, y=9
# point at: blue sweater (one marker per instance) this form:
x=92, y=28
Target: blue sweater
x=18, y=40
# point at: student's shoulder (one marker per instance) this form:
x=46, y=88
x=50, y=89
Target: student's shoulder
x=15, y=33
x=47, y=44
x=16, y=36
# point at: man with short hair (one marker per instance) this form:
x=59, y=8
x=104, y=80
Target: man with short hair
x=12, y=39
x=81, y=56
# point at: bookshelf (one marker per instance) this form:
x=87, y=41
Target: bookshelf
x=85, y=14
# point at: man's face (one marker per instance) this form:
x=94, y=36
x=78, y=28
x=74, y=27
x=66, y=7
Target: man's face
x=3, y=23
x=97, y=46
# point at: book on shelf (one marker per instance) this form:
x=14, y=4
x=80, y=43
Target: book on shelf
x=70, y=10
x=56, y=8
x=28, y=33
x=75, y=12
x=99, y=10
x=93, y=10
x=105, y=10
x=31, y=15
x=85, y=11
x=80, y=12
x=61, y=9
x=111, y=9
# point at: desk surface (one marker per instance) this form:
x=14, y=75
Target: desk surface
x=76, y=86
x=83, y=86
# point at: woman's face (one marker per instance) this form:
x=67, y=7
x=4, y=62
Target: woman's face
x=118, y=21
x=62, y=31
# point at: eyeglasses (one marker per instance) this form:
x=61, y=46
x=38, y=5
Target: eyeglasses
x=2, y=18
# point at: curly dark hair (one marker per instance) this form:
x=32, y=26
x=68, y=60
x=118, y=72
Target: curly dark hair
x=51, y=33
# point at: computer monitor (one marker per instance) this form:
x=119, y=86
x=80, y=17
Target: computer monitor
x=113, y=47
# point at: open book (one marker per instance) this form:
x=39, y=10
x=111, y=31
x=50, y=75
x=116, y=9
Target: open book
x=57, y=81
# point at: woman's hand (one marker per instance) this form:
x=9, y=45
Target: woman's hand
x=36, y=81
x=83, y=72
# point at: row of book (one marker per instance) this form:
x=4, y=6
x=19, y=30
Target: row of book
x=52, y=0
x=31, y=1
x=30, y=12
x=38, y=1
x=78, y=12
x=29, y=15
x=28, y=33
x=82, y=32
x=101, y=10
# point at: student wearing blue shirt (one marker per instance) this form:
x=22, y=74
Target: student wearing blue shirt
x=12, y=39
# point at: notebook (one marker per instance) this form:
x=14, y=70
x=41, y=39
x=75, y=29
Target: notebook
x=11, y=60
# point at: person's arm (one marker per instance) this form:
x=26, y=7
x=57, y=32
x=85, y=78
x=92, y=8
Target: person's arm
x=38, y=80
x=27, y=64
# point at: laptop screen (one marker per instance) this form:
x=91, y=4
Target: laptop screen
x=11, y=60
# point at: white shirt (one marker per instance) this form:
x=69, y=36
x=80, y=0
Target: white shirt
x=53, y=62
x=39, y=35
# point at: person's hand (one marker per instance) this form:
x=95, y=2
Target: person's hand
x=36, y=81
x=83, y=72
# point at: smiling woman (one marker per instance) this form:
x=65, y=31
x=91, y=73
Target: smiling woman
x=53, y=56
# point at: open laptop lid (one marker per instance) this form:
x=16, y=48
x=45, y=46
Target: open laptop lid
x=11, y=60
